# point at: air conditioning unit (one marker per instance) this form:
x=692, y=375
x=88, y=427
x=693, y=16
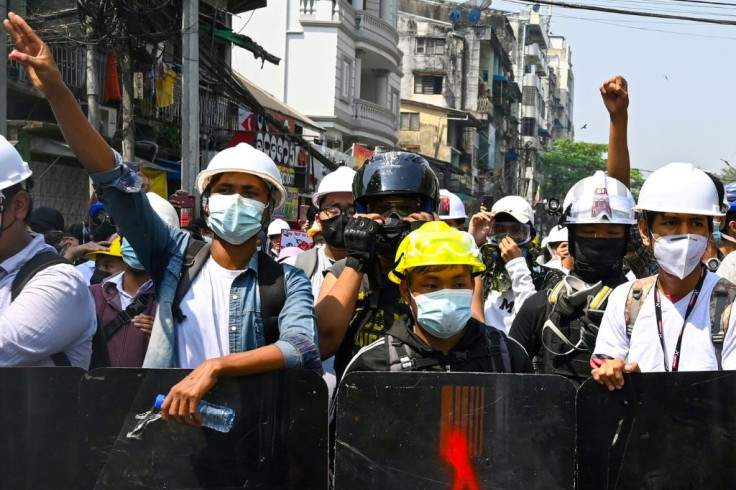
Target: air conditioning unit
x=108, y=121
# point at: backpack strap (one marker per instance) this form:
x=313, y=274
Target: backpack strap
x=307, y=262
x=721, y=302
x=197, y=253
x=272, y=290
x=134, y=309
x=637, y=294
x=32, y=267
x=498, y=350
x=399, y=362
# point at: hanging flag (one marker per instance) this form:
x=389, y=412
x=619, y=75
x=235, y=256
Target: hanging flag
x=361, y=154
x=537, y=195
x=112, y=80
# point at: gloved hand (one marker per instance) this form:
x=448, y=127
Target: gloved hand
x=360, y=236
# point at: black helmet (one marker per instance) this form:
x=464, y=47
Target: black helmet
x=396, y=172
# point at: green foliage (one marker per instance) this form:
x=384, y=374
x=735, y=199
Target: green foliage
x=637, y=179
x=568, y=162
x=727, y=175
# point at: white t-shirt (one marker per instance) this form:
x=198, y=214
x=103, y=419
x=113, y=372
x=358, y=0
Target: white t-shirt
x=204, y=332
x=644, y=347
x=87, y=269
x=501, y=307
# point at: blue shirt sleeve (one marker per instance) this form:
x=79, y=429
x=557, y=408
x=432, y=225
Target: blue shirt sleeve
x=297, y=324
x=157, y=245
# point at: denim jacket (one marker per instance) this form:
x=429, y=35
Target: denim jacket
x=162, y=250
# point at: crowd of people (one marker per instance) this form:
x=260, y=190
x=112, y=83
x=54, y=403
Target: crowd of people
x=392, y=283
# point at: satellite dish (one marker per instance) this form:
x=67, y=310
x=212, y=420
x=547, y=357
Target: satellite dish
x=474, y=16
x=535, y=7
x=456, y=15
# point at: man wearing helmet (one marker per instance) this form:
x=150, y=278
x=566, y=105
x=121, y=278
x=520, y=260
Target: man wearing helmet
x=505, y=236
x=559, y=326
x=393, y=192
x=452, y=210
x=218, y=327
x=670, y=321
x=435, y=266
x=44, y=337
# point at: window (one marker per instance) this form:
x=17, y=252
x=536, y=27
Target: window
x=528, y=126
x=428, y=84
x=529, y=96
x=430, y=45
x=347, y=78
x=409, y=121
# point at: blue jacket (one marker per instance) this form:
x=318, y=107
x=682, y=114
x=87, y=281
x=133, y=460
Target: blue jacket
x=162, y=250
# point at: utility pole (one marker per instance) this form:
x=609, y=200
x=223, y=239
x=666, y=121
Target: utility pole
x=3, y=74
x=93, y=88
x=190, y=95
x=126, y=77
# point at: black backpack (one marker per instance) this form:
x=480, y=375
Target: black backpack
x=271, y=285
x=100, y=355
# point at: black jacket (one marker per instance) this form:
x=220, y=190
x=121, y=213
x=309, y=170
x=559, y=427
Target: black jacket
x=375, y=357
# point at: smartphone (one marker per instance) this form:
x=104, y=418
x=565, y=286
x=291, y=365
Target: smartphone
x=487, y=202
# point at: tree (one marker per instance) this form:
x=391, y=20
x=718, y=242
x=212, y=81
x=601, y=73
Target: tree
x=727, y=175
x=568, y=162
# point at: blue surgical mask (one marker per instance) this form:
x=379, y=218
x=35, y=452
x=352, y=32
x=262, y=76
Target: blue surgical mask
x=717, y=232
x=444, y=313
x=129, y=256
x=234, y=218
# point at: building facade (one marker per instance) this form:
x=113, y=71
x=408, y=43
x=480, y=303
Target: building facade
x=340, y=66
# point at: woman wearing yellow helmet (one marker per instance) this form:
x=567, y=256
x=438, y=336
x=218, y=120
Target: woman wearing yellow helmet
x=435, y=268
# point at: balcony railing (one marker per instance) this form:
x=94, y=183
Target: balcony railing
x=327, y=10
x=215, y=111
x=379, y=31
x=376, y=116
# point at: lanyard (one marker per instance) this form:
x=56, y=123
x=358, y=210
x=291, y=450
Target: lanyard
x=660, y=328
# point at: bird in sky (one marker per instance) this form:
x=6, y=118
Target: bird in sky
x=665, y=77
x=584, y=126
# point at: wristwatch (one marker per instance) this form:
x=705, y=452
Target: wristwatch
x=713, y=264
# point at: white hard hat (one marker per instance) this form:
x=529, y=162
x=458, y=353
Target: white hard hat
x=13, y=170
x=245, y=159
x=163, y=209
x=341, y=180
x=516, y=206
x=558, y=234
x=451, y=207
x=276, y=226
x=599, y=199
x=679, y=188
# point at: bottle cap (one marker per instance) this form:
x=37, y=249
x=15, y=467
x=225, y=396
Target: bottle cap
x=159, y=402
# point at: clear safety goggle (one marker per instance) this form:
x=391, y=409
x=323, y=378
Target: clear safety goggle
x=437, y=245
x=603, y=208
x=518, y=232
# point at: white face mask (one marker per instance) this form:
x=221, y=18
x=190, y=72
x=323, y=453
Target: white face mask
x=679, y=255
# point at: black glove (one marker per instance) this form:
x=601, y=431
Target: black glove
x=360, y=236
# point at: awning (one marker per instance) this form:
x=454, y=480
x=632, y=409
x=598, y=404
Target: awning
x=500, y=78
x=270, y=102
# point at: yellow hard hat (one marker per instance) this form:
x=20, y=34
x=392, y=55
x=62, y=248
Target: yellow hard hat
x=436, y=243
x=115, y=250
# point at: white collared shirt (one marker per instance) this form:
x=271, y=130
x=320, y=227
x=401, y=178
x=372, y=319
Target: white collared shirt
x=126, y=299
x=54, y=313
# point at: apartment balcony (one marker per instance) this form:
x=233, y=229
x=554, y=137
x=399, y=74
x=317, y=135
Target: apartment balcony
x=530, y=111
x=215, y=111
x=533, y=55
x=72, y=63
x=532, y=80
x=375, y=122
x=375, y=35
x=322, y=12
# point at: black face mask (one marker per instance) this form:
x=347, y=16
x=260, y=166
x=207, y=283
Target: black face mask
x=103, y=231
x=598, y=259
x=332, y=230
x=98, y=276
x=53, y=238
x=388, y=242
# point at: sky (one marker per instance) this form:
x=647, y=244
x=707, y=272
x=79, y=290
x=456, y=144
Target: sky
x=684, y=117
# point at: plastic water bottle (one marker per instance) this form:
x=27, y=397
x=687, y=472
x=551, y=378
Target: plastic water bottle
x=215, y=417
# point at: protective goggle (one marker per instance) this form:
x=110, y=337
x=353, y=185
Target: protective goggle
x=402, y=207
x=518, y=232
x=604, y=209
x=100, y=217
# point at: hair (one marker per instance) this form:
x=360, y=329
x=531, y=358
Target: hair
x=720, y=189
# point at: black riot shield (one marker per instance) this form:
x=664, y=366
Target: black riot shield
x=39, y=427
x=455, y=430
x=279, y=439
x=661, y=430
